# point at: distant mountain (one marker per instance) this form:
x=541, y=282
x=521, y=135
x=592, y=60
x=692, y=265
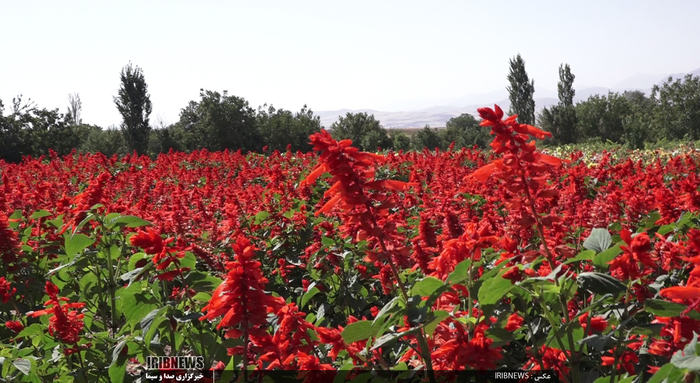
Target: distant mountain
x=437, y=116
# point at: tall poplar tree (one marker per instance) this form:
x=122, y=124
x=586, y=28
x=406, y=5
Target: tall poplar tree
x=521, y=91
x=134, y=104
x=566, y=113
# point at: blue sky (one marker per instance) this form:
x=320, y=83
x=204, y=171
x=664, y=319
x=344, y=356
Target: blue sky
x=386, y=55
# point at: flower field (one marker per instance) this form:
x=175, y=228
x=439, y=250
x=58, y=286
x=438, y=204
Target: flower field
x=340, y=260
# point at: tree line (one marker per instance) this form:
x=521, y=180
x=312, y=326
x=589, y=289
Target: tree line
x=670, y=113
x=219, y=121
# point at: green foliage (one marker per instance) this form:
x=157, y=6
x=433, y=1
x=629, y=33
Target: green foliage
x=363, y=129
x=108, y=141
x=603, y=117
x=427, y=138
x=678, y=108
x=30, y=131
x=465, y=131
x=638, y=124
x=134, y=104
x=218, y=122
x=400, y=141
x=279, y=128
x=561, y=119
x=521, y=91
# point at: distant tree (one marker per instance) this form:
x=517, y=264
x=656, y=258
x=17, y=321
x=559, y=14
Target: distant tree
x=30, y=131
x=678, y=107
x=427, y=138
x=172, y=137
x=400, y=141
x=363, y=130
x=218, y=122
x=12, y=137
x=603, y=117
x=279, y=128
x=521, y=92
x=465, y=131
x=567, y=112
x=109, y=141
x=638, y=123
x=134, y=104
x=75, y=107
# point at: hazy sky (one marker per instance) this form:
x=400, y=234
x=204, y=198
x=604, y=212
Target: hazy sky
x=329, y=54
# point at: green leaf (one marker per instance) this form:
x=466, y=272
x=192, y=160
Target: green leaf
x=31, y=331
x=76, y=243
x=599, y=342
x=437, y=317
x=308, y=295
x=602, y=259
x=686, y=360
x=117, y=351
x=358, y=331
x=131, y=221
x=598, y=241
x=460, y=273
x=137, y=303
x=202, y=297
x=493, y=290
x=386, y=309
x=148, y=319
x=663, y=375
x=327, y=242
x=200, y=281
x=651, y=220
x=63, y=266
x=117, y=370
x=426, y=286
x=189, y=260
x=652, y=329
x=663, y=308
x=260, y=217
x=665, y=229
x=56, y=222
x=600, y=283
x=193, y=316
x=493, y=272
x=134, y=259
x=149, y=333
x=40, y=214
x=586, y=255
x=388, y=338
x=500, y=336
x=24, y=365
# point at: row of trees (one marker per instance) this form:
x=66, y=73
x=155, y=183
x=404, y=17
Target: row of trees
x=671, y=112
x=220, y=121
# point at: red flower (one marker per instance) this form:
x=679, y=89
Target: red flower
x=331, y=336
x=240, y=298
x=149, y=240
x=552, y=359
x=64, y=324
x=464, y=349
x=598, y=323
x=6, y=290
x=514, y=274
x=514, y=322
x=9, y=244
x=14, y=326
x=625, y=363
x=626, y=265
